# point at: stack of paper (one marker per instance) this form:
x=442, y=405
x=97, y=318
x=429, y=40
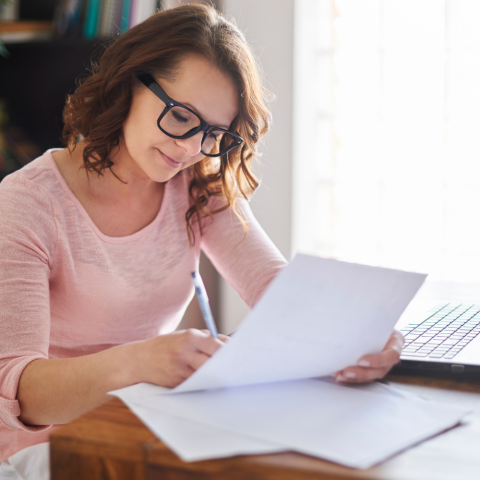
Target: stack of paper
x=318, y=316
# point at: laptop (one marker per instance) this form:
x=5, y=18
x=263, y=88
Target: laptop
x=444, y=340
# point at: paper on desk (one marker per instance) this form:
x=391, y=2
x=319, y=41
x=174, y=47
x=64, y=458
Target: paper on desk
x=357, y=427
x=317, y=317
x=193, y=441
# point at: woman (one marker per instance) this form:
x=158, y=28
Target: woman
x=98, y=240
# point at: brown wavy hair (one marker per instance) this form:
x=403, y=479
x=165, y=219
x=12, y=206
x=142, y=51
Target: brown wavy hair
x=101, y=102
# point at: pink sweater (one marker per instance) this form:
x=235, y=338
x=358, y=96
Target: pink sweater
x=68, y=290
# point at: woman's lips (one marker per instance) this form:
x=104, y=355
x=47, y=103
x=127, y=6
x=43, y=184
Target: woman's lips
x=169, y=161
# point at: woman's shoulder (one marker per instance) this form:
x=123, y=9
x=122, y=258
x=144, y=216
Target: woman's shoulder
x=33, y=182
x=27, y=211
x=31, y=191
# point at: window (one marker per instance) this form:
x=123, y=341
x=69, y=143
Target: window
x=387, y=133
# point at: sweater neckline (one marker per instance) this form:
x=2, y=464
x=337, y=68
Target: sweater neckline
x=128, y=238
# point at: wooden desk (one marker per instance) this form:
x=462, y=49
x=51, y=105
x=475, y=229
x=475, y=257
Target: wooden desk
x=110, y=443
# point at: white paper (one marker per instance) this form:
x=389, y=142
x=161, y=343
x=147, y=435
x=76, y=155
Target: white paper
x=356, y=427
x=317, y=317
x=191, y=441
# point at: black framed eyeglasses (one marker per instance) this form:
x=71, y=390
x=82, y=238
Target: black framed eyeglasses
x=179, y=121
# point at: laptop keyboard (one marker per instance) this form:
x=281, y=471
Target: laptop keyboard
x=447, y=330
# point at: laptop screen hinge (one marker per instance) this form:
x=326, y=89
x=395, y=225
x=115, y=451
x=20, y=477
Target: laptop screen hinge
x=457, y=368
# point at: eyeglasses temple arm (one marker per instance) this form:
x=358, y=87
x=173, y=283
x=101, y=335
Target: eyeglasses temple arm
x=150, y=83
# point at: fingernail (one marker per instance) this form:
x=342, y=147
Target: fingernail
x=340, y=378
x=350, y=374
x=364, y=363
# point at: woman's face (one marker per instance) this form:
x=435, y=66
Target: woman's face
x=198, y=85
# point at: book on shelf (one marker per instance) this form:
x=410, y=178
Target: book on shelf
x=92, y=14
x=68, y=18
x=125, y=13
x=100, y=18
x=87, y=19
x=108, y=26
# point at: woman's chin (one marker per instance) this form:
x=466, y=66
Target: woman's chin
x=161, y=175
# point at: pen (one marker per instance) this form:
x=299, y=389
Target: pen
x=204, y=305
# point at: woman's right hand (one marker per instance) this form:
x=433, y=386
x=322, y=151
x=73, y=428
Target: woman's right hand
x=167, y=360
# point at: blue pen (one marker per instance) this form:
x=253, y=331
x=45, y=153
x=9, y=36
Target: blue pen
x=204, y=305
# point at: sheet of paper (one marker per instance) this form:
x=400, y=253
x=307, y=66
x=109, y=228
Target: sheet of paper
x=317, y=317
x=357, y=427
x=194, y=441
x=191, y=441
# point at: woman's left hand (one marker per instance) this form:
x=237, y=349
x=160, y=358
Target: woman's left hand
x=371, y=367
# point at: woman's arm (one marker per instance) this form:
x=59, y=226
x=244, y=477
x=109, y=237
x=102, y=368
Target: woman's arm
x=57, y=391
x=250, y=265
x=28, y=235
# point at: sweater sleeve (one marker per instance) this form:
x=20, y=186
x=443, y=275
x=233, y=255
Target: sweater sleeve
x=248, y=263
x=28, y=235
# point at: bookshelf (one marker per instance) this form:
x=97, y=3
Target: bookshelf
x=36, y=77
x=25, y=31
x=47, y=48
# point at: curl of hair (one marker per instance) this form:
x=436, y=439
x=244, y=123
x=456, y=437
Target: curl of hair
x=101, y=102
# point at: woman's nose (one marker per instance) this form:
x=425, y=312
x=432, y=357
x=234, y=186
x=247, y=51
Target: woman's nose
x=192, y=145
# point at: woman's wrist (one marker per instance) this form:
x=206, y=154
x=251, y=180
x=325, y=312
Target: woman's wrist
x=127, y=363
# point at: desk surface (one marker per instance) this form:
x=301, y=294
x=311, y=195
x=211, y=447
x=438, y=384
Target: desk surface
x=110, y=443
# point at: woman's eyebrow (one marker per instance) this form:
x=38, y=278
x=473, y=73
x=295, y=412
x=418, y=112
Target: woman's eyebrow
x=196, y=111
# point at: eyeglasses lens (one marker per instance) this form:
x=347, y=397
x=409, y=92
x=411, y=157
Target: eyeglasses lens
x=217, y=142
x=178, y=121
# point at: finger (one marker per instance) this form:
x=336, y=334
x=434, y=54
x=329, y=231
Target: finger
x=388, y=357
x=398, y=333
x=221, y=337
x=208, y=344
x=360, y=374
x=195, y=360
x=179, y=367
x=396, y=340
x=174, y=382
x=203, y=342
x=177, y=377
